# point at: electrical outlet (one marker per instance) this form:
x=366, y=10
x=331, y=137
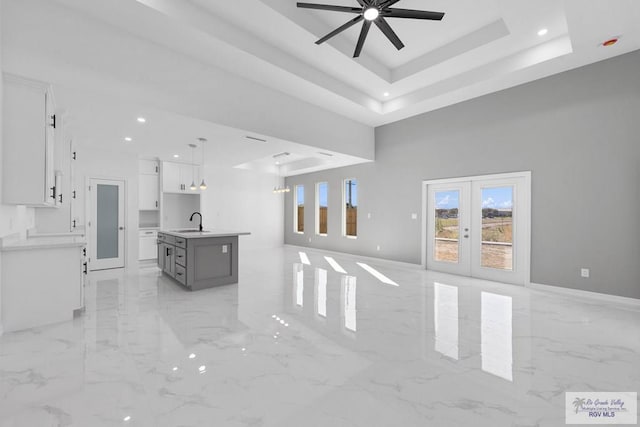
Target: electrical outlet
x=369, y=215
x=378, y=248
x=584, y=272
x=309, y=239
x=224, y=249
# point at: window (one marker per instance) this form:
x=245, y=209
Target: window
x=321, y=208
x=350, y=213
x=298, y=210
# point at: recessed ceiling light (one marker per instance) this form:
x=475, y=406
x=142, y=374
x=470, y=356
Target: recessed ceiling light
x=371, y=14
x=611, y=41
x=142, y=120
x=175, y=156
x=128, y=139
x=386, y=94
x=543, y=32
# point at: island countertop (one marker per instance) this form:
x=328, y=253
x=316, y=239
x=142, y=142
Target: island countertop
x=195, y=234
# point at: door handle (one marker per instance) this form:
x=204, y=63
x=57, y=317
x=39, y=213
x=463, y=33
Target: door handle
x=466, y=236
x=120, y=228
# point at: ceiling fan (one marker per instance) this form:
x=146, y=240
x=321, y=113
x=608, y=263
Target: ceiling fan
x=373, y=11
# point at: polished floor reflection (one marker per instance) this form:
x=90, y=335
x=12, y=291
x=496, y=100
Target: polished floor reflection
x=301, y=342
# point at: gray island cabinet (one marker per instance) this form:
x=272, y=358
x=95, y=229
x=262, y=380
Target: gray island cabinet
x=199, y=259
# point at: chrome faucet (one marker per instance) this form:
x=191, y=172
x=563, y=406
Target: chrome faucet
x=191, y=219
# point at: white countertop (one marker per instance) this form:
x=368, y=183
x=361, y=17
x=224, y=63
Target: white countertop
x=15, y=243
x=203, y=234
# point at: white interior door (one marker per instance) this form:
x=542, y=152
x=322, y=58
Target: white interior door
x=479, y=227
x=107, y=232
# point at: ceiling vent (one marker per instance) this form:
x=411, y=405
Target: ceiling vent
x=283, y=154
x=253, y=138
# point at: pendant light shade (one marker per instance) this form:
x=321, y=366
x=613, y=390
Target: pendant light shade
x=203, y=185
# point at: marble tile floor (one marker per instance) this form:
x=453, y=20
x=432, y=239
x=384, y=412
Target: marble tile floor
x=304, y=344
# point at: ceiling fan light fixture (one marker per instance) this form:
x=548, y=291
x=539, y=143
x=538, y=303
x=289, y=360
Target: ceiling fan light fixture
x=371, y=14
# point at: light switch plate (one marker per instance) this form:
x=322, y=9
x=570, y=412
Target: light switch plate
x=414, y=216
x=584, y=272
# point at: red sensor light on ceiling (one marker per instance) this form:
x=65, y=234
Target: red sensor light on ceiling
x=610, y=42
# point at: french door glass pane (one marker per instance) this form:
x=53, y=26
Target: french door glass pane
x=497, y=228
x=107, y=221
x=447, y=226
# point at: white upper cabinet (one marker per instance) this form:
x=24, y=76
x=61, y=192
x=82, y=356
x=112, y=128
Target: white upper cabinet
x=148, y=185
x=148, y=197
x=28, y=143
x=177, y=177
x=148, y=167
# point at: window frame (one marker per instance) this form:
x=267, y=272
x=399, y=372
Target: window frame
x=317, y=213
x=295, y=208
x=344, y=209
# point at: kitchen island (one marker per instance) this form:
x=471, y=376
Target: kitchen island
x=199, y=259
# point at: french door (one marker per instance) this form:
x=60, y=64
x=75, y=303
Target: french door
x=479, y=227
x=106, y=226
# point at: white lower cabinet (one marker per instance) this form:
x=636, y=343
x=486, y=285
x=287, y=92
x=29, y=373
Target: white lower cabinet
x=148, y=248
x=41, y=285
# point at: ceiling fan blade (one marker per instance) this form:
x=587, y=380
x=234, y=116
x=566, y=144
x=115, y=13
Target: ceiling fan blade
x=388, y=3
x=414, y=14
x=363, y=3
x=330, y=7
x=341, y=29
x=391, y=35
x=363, y=36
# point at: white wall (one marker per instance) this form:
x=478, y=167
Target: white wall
x=177, y=208
x=243, y=200
x=98, y=163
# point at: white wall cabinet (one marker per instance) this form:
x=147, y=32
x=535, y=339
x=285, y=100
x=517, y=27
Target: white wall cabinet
x=148, y=167
x=148, y=193
x=148, y=185
x=177, y=177
x=60, y=220
x=29, y=124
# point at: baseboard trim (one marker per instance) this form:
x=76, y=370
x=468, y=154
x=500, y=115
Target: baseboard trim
x=585, y=294
x=358, y=257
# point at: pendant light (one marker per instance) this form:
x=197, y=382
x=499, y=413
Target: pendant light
x=203, y=185
x=193, y=182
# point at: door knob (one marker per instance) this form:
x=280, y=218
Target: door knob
x=466, y=236
x=120, y=228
